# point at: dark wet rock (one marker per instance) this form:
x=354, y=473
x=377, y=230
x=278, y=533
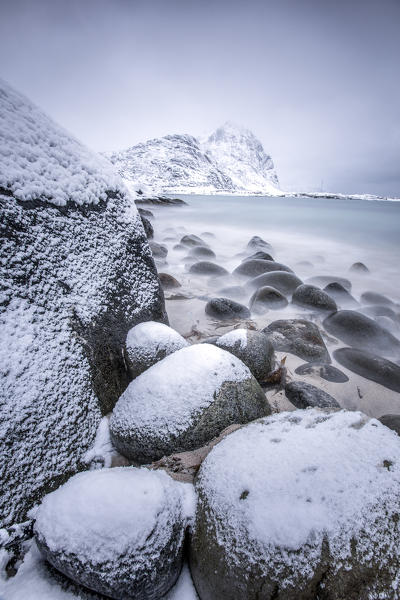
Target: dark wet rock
x=375, y=298
x=371, y=366
x=158, y=250
x=205, y=267
x=152, y=536
x=253, y=348
x=299, y=337
x=358, y=330
x=202, y=252
x=324, y=280
x=341, y=296
x=303, y=395
x=258, y=266
x=148, y=227
x=233, y=291
x=224, y=308
x=143, y=212
x=389, y=324
x=359, y=267
x=183, y=402
x=284, y=282
x=257, y=243
x=168, y=281
x=323, y=370
x=312, y=297
x=258, y=255
x=180, y=247
x=192, y=240
x=161, y=201
x=391, y=421
x=382, y=310
x=265, y=298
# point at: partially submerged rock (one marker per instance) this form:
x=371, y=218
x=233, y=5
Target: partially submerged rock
x=158, y=250
x=184, y=401
x=205, y=267
x=168, y=281
x=256, y=243
x=323, y=370
x=324, y=280
x=119, y=532
x=192, y=240
x=257, y=255
x=368, y=365
x=375, y=298
x=299, y=337
x=225, y=309
x=274, y=521
x=309, y=296
x=267, y=297
x=342, y=297
x=283, y=281
x=302, y=395
x=202, y=252
x=359, y=267
x=258, y=266
x=251, y=347
x=148, y=343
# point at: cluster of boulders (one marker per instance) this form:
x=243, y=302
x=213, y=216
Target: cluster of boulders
x=269, y=515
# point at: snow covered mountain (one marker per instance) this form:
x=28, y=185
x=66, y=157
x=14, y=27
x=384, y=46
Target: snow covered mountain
x=231, y=160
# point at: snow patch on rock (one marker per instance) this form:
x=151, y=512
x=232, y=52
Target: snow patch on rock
x=233, y=337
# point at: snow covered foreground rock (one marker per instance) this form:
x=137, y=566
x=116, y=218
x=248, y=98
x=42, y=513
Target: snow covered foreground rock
x=183, y=402
x=230, y=160
x=76, y=275
x=300, y=505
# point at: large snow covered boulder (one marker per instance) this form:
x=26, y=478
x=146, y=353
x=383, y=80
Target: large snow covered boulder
x=183, y=402
x=76, y=275
x=117, y=531
x=300, y=505
x=150, y=342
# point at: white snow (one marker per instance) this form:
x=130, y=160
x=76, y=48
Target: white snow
x=165, y=399
x=305, y=474
x=184, y=588
x=233, y=337
x=99, y=515
x=101, y=453
x=146, y=340
x=230, y=161
x=40, y=160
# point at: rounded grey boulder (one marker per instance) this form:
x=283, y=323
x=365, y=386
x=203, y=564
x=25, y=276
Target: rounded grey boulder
x=324, y=280
x=375, y=298
x=323, y=370
x=158, y=250
x=258, y=266
x=257, y=243
x=183, y=402
x=205, y=267
x=283, y=281
x=299, y=337
x=202, y=252
x=118, y=532
x=252, y=348
x=224, y=309
x=260, y=254
x=312, y=297
x=303, y=395
x=342, y=297
x=359, y=267
x=275, y=521
x=168, y=281
x=192, y=240
x=267, y=297
x=370, y=366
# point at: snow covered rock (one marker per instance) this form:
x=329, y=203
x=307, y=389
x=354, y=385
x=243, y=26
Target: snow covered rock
x=76, y=274
x=230, y=160
x=118, y=532
x=251, y=347
x=183, y=402
x=150, y=342
x=300, y=505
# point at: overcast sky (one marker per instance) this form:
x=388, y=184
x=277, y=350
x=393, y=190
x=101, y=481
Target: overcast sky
x=318, y=81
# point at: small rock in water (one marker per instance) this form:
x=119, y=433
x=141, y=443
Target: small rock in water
x=391, y=421
x=299, y=337
x=375, y=298
x=233, y=291
x=257, y=243
x=341, y=296
x=258, y=266
x=358, y=330
x=192, y=240
x=225, y=309
x=359, y=267
x=284, y=282
x=183, y=402
x=251, y=347
x=368, y=365
x=267, y=297
x=168, y=281
x=150, y=342
x=324, y=280
x=143, y=212
x=310, y=296
x=271, y=503
x=205, y=267
x=119, y=532
x=379, y=311
x=202, y=252
x=303, y=395
x=258, y=255
x=323, y=370
x=158, y=250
